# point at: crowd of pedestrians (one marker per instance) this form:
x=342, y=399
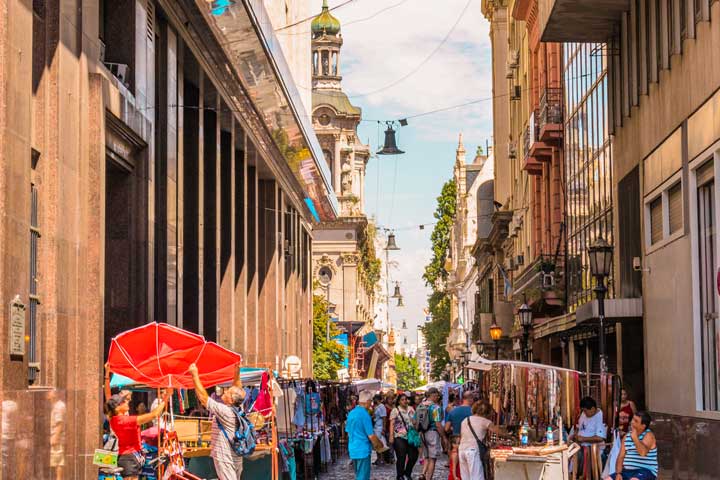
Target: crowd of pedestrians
x=419, y=428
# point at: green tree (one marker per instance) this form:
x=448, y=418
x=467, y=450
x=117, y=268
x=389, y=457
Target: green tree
x=436, y=331
x=408, y=372
x=328, y=354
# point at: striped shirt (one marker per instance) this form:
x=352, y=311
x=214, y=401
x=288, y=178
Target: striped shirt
x=633, y=459
x=220, y=448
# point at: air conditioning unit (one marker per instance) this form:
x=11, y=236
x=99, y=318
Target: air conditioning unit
x=513, y=58
x=516, y=92
x=510, y=73
x=512, y=150
x=520, y=260
x=547, y=279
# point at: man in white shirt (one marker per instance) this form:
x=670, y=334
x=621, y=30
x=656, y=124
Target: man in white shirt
x=590, y=429
x=228, y=465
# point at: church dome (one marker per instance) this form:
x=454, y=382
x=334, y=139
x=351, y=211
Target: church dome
x=325, y=23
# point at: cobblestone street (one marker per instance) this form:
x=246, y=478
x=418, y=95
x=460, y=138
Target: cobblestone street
x=342, y=470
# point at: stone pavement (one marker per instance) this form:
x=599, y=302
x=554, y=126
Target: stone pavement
x=342, y=470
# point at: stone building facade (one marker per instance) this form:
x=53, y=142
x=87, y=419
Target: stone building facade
x=149, y=171
x=662, y=105
x=344, y=263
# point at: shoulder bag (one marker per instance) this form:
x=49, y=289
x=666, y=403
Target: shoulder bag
x=413, y=437
x=482, y=447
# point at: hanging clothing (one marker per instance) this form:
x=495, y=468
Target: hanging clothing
x=264, y=400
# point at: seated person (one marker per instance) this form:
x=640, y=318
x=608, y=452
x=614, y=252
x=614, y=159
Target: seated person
x=638, y=455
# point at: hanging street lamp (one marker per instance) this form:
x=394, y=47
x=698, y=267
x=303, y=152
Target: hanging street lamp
x=397, y=293
x=600, y=254
x=390, y=145
x=391, y=245
x=400, y=302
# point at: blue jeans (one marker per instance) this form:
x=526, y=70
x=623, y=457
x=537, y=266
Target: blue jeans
x=640, y=474
x=362, y=468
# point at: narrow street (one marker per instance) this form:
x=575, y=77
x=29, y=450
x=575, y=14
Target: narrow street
x=342, y=470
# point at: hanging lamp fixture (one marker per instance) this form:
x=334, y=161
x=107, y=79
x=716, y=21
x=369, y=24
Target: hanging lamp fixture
x=390, y=145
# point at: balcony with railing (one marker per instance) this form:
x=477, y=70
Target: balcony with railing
x=550, y=122
x=531, y=164
x=542, y=284
x=580, y=20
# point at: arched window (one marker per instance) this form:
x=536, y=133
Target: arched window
x=325, y=62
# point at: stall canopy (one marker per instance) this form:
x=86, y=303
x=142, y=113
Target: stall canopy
x=158, y=355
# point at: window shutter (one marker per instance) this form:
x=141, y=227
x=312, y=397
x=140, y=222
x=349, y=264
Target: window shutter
x=675, y=205
x=705, y=173
x=656, y=227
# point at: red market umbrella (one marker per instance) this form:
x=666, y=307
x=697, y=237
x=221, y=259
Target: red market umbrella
x=158, y=355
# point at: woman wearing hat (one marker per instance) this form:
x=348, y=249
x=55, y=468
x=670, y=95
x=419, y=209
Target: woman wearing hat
x=127, y=430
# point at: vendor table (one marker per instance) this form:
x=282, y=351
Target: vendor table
x=534, y=463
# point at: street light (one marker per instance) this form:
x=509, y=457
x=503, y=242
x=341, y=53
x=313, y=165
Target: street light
x=496, y=334
x=600, y=254
x=391, y=246
x=525, y=314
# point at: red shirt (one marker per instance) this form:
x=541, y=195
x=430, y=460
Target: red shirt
x=127, y=431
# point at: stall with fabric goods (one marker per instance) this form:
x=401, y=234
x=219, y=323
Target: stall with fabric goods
x=175, y=367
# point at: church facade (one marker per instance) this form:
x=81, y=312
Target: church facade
x=345, y=267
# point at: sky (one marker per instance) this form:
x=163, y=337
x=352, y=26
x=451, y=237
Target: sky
x=443, y=48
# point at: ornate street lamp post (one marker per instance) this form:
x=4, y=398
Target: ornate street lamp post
x=600, y=254
x=525, y=314
x=496, y=334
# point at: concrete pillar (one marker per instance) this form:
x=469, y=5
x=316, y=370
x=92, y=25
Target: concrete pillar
x=201, y=206
x=350, y=286
x=251, y=333
x=226, y=232
x=240, y=205
x=171, y=178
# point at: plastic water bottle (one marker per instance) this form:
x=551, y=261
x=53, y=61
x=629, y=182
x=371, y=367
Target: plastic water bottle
x=524, y=434
x=549, y=436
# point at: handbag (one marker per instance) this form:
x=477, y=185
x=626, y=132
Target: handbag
x=482, y=447
x=413, y=437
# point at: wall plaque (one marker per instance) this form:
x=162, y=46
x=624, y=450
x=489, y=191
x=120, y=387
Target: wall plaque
x=17, y=327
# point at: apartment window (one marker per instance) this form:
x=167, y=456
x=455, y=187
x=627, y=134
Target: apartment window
x=117, y=20
x=674, y=200
x=706, y=257
x=33, y=358
x=664, y=212
x=656, y=229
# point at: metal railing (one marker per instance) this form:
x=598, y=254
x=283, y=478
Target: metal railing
x=551, y=107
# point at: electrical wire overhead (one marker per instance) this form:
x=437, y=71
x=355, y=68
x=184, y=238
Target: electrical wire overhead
x=421, y=64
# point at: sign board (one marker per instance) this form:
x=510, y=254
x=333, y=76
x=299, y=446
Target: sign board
x=17, y=327
x=105, y=458
x=343, y=375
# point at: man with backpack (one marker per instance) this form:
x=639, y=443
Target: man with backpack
x=428, y=416
x=227, y=423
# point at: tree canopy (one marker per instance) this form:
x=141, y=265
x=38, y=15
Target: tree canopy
x=328, y=354
x=408, y=372
x=436, y=331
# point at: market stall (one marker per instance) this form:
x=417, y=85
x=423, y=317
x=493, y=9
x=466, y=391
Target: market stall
x=537, y=405
x=157, y=356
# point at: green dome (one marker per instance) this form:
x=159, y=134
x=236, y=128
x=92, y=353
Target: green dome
x=325, y=22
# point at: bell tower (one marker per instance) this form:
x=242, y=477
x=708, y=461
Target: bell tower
x=326, y=44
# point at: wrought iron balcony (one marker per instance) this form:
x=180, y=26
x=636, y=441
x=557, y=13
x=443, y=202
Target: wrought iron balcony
x=543, y=280
x=550, y=122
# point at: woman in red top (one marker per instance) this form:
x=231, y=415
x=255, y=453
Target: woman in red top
x=127, y=430
x=627, y=411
